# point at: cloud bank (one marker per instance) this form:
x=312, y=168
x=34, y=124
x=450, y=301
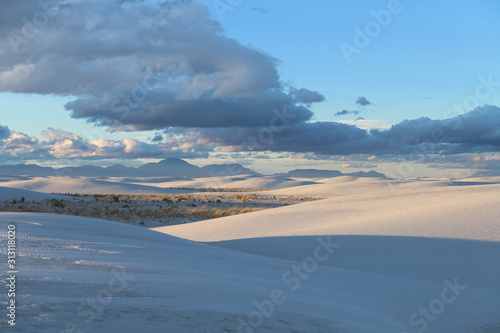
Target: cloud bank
x=167, y=66
x=63, y=145
x=134, y=65
x=475, y=132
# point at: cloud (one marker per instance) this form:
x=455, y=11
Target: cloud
x=160, y=111
x=363, y=101
x=173, y=67
x=367, y=124
x=470, y=141
x=306, y=96
x=346, y=112
x=319, y=137
x=59, y=144
x=175, y=71
x=65, y=144
x=259, y=9
x=157, y=138
x=361, y=165
x=475, y=132
x=4, y=132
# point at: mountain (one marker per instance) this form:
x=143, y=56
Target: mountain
x=315, y=173
x=224, y=170
x=172, y=167
x=26, y=170
x=119, y=170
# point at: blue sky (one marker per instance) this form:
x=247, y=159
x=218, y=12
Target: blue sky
x=426, y=59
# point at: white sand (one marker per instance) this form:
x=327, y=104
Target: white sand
x=397, y=245
x=84, y=185
x=9, y=193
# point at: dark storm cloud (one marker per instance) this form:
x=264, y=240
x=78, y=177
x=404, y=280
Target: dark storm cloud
x=4, y=132
x=172, y=66
x=346, y=112
x=449, y=142
x=319, y=137
x=475, y=132
x=478, y=130
x=363, y=101
x=160, y=110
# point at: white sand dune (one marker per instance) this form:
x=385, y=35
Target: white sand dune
x=348, y=185
x=375, y=257
x=9, y=193
x=252, y=182
x=418, y=231
x=278, y=185
x=459, y=212
x=100, y=276
x=85, y=185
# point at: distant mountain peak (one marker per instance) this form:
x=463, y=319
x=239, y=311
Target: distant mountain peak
x=232, y=169
x=174, y=161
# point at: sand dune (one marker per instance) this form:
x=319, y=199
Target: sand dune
x=156, y=283
x=85, y=185
x=369, y=259
x=8, y=193
x=462, y=212
x=416, y=231
x=269, y=182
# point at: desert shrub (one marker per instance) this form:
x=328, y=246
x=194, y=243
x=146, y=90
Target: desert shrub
x=57, y=203
x=142, y=208
x=242, y=198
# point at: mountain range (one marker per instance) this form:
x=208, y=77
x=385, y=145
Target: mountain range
x=172, y=167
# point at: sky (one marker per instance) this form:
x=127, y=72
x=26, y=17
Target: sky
x=409, y=88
